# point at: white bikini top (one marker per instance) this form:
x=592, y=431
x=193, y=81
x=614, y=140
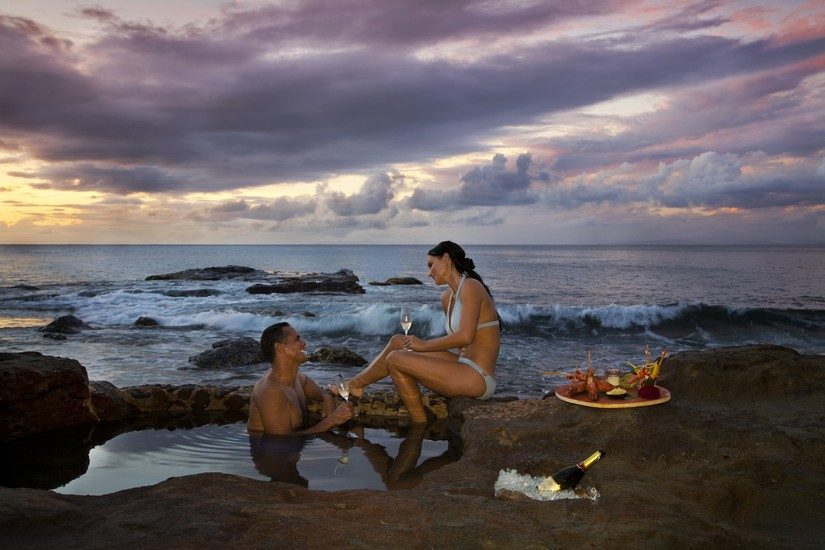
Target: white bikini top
x=453, y=319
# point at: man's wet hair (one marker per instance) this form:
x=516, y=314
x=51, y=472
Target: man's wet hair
x=272, y=335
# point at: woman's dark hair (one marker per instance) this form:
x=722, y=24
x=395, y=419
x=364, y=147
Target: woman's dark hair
x=271, y=335
x=462, y=263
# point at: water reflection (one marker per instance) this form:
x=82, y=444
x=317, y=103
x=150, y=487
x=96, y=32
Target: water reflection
x=100, y=459
x=279, y=458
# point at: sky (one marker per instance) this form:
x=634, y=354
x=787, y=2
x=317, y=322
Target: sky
x=412, y=121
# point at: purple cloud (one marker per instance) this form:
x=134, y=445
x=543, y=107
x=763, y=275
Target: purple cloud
x=182, y=109
x=491, y=185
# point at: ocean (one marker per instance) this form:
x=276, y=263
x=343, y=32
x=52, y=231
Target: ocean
x=558, y=303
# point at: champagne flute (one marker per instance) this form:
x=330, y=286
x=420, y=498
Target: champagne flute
x=342, y=387
x=406, y=320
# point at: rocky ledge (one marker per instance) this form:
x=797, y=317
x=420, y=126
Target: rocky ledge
x=733, y=460
x=210, y=274
x=394, y=281
x=343, y=280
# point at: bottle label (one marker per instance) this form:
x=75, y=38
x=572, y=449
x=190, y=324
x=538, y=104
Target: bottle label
x=549, y=484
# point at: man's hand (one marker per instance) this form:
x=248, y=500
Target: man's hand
x=342, y=413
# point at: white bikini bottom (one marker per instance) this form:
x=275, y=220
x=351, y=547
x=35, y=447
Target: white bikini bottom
x=489, y=381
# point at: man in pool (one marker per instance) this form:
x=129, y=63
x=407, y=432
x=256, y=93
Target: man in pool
x=278, y=403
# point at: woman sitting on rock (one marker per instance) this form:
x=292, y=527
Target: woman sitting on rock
x=463, y=362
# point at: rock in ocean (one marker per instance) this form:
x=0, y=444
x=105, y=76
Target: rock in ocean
x=343, y=280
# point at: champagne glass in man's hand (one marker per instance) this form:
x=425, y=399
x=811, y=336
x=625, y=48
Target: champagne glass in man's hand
x=341, y=386
x=406, y=321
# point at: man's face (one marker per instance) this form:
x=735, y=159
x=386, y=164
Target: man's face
x=293, y=347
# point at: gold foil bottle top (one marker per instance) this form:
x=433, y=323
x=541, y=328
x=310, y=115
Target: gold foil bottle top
x=590, y=460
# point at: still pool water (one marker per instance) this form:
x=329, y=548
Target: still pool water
x=372, y=459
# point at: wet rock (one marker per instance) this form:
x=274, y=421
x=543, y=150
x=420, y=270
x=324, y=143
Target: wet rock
x=193, y=293
x=39, y=393
x=308, y=314
x=146, y=322
x=344, y=281
x=25, y=287
x=187, y=399
x=108, y=403
x=397, y=281
x=234, y=352
x=67, y=324
x=336, y=356
x=210, y=274
x=55, y=336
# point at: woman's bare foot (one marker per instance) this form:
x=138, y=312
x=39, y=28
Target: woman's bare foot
x=355, y=391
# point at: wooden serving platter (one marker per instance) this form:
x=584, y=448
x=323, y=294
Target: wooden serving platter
x=605, y=402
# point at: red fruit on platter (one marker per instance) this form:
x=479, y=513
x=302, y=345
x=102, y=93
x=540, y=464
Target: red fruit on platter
x=649, y=392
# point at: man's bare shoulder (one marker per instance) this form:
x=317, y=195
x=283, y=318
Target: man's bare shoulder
x=269, y=389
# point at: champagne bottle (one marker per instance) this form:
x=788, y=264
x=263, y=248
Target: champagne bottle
x=569, y=478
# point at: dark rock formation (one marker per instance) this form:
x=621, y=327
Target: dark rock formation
x=336, y=356
x=343, y=280
x=234, y=352
x=40, y=393
x=209, y=274
x=67, y=324
x=710, y=468
x=54, y=336
x=398, y=281
x=108, y=403
x=193, y=293
x=146, y=322
x=25, y=287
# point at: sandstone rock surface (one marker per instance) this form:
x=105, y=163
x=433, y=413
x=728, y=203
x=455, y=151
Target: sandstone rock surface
x=711, y=468
x=39, y=393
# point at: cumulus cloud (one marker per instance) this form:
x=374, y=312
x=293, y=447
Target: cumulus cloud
x=490, y=185
x=374, y=196
x=709, y=180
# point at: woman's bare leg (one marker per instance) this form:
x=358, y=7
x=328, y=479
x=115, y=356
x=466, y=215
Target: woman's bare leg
x=410, y=395
x=376, y=370
x=441, y=373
